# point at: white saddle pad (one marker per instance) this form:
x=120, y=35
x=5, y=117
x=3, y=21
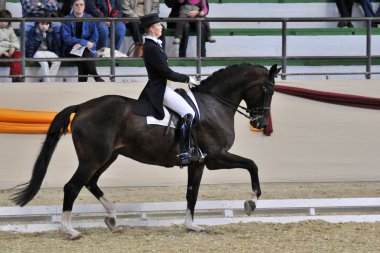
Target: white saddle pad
x=150, y=120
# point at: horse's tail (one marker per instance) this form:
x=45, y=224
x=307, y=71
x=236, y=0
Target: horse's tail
x=58, y=127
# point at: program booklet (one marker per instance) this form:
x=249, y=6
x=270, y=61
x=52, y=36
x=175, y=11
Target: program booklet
x=78, y=52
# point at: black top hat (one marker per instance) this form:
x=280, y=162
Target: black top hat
x=149, y=19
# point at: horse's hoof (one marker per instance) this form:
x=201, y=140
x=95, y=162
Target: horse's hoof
x=249, y=207
x=76, y=237
x=72, y=233
x=110, y=222
x=194, y=228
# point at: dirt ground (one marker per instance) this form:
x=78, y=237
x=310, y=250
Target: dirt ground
x=309, y=236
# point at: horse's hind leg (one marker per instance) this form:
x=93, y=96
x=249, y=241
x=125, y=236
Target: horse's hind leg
x=195, y=173
x=71, y=190
x=107, y=203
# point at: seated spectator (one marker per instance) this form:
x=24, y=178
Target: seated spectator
x=10, y=46
x=139, y=8
x=185, y=39
x=192, y=9
x=42, y=42
x=81, y=35
x=103, y=9
x=369, y=12
x=345, y=11
x=40, y=8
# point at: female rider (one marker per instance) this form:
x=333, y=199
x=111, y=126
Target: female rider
x=158, y=93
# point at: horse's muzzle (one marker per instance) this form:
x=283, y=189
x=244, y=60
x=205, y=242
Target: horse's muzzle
x=259, y=123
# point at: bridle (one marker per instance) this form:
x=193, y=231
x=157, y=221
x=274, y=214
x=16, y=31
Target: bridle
x=257, y=113
x=253, y=114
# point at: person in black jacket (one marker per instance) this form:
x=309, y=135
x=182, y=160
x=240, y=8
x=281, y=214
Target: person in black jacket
x=42, y=42
x=158, y=93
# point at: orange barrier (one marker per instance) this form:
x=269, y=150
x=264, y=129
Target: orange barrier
x=25, y=122
x=20, y=128
x=21, y=116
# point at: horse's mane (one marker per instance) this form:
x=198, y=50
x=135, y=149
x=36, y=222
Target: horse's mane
x=225, y=74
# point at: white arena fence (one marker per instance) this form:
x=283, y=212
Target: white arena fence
x=334, y=210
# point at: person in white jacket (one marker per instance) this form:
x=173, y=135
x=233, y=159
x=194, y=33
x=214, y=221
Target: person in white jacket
x=10, y=46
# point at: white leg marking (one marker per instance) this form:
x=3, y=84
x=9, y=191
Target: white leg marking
x=66, y=226
x=190, y=225
x=109, y=206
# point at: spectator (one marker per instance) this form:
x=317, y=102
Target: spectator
x=40, y=8
x=103, y=9
x=192, y=9
x=139, y=8
x=81, y=35
x=42, y=42
x=3, y=5
x=369, y=12
x=345, y=11
x=10, y=46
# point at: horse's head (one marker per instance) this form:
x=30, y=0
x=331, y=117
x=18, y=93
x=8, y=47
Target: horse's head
x=259, y=111
x=252, y=83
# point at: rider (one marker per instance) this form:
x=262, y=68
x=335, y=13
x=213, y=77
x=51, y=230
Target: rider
x=158, y=92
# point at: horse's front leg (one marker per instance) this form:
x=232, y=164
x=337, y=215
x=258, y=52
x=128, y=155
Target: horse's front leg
x=195, y=173
x=230, y=161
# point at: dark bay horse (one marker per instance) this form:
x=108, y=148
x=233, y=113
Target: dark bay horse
x=106, y=127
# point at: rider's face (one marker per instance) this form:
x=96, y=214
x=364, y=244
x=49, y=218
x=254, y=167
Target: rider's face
x=156, y=30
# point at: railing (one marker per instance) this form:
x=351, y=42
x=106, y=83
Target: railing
x=198, y=72
x=209, y=213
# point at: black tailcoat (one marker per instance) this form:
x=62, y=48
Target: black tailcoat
x=150, y=102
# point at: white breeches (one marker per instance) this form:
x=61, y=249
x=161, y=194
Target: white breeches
x=177, y=103
x=45, y=70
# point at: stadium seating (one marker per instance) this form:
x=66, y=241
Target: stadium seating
x=263, y=39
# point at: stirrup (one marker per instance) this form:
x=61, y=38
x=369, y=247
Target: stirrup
x=203, y=155
x=191, y=155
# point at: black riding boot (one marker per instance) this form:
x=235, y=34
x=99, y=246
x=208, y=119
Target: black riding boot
x=188, y=153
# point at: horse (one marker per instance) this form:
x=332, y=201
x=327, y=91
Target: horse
x=105, y=127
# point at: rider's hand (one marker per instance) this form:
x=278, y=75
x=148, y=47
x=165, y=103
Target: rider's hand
x=192, y=82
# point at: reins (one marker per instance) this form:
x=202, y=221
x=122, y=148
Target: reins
x=236, y=107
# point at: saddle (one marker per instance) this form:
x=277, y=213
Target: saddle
x=171, y=118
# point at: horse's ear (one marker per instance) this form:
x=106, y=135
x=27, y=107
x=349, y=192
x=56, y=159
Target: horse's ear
x=274, y=71
x=278, y=70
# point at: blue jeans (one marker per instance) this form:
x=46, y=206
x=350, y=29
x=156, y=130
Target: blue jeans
x=368, y=9
x=104, y=32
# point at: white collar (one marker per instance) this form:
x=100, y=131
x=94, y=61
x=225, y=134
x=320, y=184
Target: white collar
x=159, y=42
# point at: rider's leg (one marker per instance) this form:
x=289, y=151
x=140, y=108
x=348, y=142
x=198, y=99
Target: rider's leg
x=188, y=153
x=178, y=104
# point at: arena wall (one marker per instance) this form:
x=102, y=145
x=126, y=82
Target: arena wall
x=311, y=142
